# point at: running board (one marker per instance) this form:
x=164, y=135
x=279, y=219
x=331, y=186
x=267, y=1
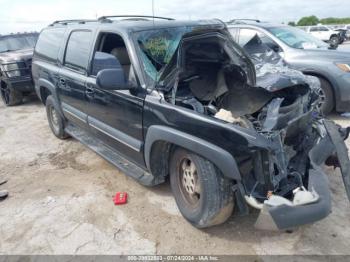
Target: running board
x=116, y=159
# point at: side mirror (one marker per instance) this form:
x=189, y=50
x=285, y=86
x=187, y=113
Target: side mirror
x=112, y=79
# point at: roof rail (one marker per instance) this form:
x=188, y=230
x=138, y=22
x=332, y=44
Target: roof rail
x=241, y=21
x=72, y=21
x=106, y=18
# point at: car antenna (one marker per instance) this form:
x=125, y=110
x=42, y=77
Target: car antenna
x=153, y=12
x=155, y=81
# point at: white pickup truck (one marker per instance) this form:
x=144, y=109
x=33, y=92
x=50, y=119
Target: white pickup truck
x=324, y=33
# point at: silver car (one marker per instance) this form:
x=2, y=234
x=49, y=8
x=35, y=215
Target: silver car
x=306, y=53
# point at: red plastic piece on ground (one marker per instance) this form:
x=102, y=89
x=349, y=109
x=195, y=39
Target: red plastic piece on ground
x=120, y=198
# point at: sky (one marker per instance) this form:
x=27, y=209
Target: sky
x=33, y=15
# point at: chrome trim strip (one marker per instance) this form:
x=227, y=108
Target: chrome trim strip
x=74, y=115
x=117, y=135
x=74, y=112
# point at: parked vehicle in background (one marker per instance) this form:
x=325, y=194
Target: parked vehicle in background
x=161, y=98
x=16, y=51
x=324, y=33
x=304, y=52
x=343, y=27
x=342, y=35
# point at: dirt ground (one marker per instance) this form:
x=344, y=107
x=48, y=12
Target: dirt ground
x=61, y=203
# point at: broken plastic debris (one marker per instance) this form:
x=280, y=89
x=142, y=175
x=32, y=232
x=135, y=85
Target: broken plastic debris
x=228, y=117
x=225, y=116
x=302, y=196
x=120, y=198
x=276, y=200
x=3, y=194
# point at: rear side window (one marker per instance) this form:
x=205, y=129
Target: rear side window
x=48, y=44
x=78, y=50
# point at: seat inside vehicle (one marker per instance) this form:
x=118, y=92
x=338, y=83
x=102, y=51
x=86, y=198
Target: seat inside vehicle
x=114, y=44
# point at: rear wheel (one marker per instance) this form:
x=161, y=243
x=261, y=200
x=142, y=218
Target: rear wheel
x=9, y=96
x=56, y=121
x=203, y=195
x=327, y=96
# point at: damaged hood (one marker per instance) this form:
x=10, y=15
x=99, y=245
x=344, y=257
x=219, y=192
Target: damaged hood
x=17, y=55
x=272, y=73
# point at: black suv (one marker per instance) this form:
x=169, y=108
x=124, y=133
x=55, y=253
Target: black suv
x=160, y=98
x=16, y=51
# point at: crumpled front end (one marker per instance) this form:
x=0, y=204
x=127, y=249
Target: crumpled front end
x=287, y=182
x=280, y=165
x=311, y=201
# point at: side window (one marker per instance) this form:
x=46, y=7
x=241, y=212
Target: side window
x=78, y=50
x=48, y=44
x=111, y=53
x=245, y=35
x=313, y=29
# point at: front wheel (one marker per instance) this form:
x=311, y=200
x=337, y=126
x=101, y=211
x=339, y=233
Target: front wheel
x=203, y=196
x=9, y=96
x=334, y=41
x=327, y=97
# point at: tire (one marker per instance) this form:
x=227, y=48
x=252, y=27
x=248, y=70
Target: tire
x=327, y=96
x=334, y=40
x=210, y=201
x=56, y=122
x=9, y=96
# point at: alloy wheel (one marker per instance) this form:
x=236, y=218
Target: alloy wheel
x=54, y=119
x=189, y=182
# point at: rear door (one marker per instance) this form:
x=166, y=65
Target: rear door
x=73, y=75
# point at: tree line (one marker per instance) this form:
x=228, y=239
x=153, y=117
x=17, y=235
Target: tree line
x=314, y=20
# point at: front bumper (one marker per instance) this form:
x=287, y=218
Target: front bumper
x=285, y=217
x=22, y=84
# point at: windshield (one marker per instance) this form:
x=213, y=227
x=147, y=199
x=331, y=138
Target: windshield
x=13, y=43
x=157, y=48
x=296, y=38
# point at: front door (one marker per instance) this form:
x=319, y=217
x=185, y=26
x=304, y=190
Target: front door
x=115, y=116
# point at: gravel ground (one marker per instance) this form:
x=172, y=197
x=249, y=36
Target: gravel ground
x=61, y=203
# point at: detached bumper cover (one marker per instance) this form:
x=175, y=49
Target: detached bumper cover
x=286, y=217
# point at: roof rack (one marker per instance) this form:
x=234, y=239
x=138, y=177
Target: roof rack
x=241, y=21
x=132, y=17
x=72, y=21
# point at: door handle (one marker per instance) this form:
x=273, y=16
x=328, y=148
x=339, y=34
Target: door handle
x=62, y=82
x=90, y=92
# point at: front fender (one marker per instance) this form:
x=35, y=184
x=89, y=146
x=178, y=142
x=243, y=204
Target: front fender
x=221, y=158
